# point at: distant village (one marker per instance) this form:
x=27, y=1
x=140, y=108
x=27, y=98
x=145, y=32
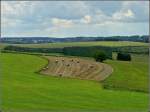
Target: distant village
x=35, y=40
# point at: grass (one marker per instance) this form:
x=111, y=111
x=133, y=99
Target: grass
x=24, y=89
x=129, y=75
x=70, y=44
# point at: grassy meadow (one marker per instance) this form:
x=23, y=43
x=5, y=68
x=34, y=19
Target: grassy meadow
x=129, y=75
x=81, y=44
x=24, y=89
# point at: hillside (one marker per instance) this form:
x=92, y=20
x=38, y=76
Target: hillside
x=25, y=89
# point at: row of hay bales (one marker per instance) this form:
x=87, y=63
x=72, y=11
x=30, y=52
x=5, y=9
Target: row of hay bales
x=56, y=61
x=68, y=66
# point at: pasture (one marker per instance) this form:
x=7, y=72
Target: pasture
x=80, y=44
x=129, y=75
x=26, y=90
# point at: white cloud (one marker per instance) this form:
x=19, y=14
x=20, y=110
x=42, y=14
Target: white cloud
x=123, y=15
x=61, y=22
x=100, y=17
x=139, y=8
x=59, y=16
x=16, y=9
x=129, y=13
x=86, y=19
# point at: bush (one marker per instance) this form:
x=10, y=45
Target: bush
x=87, y=51
x=35, y=50
x=72, y=51
x=124, y=57
x=100, y=56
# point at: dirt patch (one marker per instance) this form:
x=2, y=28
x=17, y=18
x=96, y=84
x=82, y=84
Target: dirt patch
x=76, y=68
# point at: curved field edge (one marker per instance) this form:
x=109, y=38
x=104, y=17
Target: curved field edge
x=78, y=68
x=23, y=89
x=128, y=75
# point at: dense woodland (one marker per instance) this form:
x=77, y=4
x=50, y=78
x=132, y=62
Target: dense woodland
x=81, y=51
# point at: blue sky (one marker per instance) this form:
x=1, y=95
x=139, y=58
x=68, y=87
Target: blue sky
x=74, y=18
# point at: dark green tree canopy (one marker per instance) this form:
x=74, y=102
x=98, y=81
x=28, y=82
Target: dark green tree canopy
x=124, y=57
x=100, y=56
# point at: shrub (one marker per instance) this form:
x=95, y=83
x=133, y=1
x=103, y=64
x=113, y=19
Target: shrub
x=124, y=57
x=100, y=56
x=35, y=50
x=89, y=51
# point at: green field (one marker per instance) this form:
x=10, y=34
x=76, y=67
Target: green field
x=129, y=75
x=24, y=89
x=70, y=44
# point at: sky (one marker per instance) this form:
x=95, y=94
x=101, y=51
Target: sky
x=74, y=18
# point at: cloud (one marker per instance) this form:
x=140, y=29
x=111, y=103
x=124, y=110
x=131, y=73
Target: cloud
x=123, y=15
x=139, y=8
x=129, y=14
x=16, y=9
x=53, y=17
x=86, y=19
x=61, y=22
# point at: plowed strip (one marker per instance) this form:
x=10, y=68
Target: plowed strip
x=77, y=68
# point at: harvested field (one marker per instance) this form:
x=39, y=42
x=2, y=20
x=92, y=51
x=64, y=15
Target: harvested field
x=76, y=68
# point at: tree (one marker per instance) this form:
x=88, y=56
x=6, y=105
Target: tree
x=100, y=56
x=124, y=57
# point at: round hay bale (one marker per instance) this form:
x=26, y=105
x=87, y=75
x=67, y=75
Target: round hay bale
x=60, y=74
x=91, y=66
x=71, y=60
x=68, y=65
x=44, y=68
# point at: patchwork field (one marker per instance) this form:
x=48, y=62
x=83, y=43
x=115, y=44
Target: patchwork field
x=26, y=90
x=80, y=44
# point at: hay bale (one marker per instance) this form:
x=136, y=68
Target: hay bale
x=60, y=74
x=56, y=61
x=91, y=66
x=68, y=65
x=71, y=60
x=44, y=68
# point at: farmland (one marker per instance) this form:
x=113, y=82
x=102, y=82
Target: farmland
x=23, y=89
x=27, y=86
x=81, y=44
x=76, y=68
x=129, y=75
x=74, y=56
x=83, y=49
